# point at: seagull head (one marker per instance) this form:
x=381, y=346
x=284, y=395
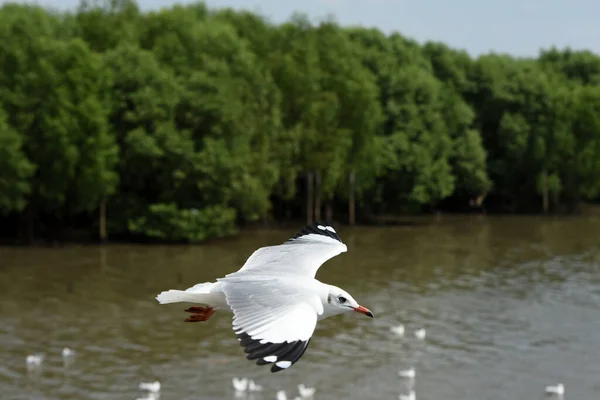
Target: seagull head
x=341, y=301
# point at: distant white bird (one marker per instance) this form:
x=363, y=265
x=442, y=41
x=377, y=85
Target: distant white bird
x=306, y=392
x=68, y=355
x=411, y=396
x=67, y=352
x=407, y=373
x=398, y=330
x=34, y=360
x=240, y=385
x=253, y=387
x=557, y=390
x=420, y=333
x=275, y=299
x=153, y=387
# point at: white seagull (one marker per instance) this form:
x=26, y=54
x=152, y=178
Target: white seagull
x=407, y=373
x=152, y=387
x=275, y=299
x=305, y=392
x=398, y=330
x=557, y=390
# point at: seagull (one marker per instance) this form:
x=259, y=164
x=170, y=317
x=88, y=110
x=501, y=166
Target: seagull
x=411, y=396
x=240, y=385
x=253, y=387
x=34, y=360
x=305, y=392
x=275, y=299
x=408, y=373
x=557, y=390
x=420, y=334
x=398, y=330
x=67, y=355
x=152, y=387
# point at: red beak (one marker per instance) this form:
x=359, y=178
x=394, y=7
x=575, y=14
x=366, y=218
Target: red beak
x=363, y=310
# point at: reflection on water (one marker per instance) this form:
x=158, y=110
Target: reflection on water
x=510, y=305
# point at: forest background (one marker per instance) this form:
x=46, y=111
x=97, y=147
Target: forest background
x=187, y=123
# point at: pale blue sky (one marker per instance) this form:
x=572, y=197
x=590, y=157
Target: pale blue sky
x=519, y=27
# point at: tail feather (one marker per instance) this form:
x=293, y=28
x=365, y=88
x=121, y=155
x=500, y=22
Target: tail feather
x=196, y=294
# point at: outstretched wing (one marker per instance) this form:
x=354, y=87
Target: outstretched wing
x=303, y=254
x=273, y=319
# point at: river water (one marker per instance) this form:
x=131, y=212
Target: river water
x=510, y=304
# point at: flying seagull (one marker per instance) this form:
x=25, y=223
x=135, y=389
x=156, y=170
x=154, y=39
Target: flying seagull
x=275, y=299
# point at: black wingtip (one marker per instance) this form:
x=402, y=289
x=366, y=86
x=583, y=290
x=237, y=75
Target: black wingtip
x=287, y=352
x=318, y=228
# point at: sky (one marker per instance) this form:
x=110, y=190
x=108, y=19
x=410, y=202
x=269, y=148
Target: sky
x=517, y=27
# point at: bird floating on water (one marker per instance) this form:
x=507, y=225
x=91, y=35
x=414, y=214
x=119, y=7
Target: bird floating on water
x=275, y=299
x=239, y=385
x=398, y=330
x=407, y=373
x=305, y=392
x=152, y=387
x=411, y=396
x=420, y=333
x=68, y=356
x=557, y=390
x=253, y=387
x=34, y=360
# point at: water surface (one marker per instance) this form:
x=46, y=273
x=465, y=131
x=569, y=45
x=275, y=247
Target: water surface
x=510, y=305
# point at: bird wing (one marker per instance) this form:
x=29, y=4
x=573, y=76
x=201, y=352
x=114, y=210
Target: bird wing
x=301, y=255
x=273, y=319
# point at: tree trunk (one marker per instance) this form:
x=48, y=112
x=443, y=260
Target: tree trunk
x=317, y=195
x=545, y=192
x=351, y=205
x=102, y=216
x=309, y=198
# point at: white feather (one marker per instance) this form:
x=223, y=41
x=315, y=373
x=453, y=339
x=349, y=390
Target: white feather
x=273, y=310
x=208, y=293
x=301, y=256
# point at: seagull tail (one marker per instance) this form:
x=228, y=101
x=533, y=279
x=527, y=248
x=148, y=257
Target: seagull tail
x=199, y=293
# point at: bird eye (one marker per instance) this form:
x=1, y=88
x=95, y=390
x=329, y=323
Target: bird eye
x=342, y=299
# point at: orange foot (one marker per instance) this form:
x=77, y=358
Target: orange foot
x=199, y=313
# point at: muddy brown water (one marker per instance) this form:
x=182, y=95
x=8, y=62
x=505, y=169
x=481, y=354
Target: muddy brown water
x=510, y=304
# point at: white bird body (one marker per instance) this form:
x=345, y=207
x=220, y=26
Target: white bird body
x=408, y=373
x=240, y=385
x=152, y=387
x=305, y=392
x=420, y=333
x=398, y=330
x=274, y=296
x=253, y=387
x=34, y=360
x=411, y=396
x=557, y=390
x=67, y=352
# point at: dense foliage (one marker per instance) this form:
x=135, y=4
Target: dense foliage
x=184, y=123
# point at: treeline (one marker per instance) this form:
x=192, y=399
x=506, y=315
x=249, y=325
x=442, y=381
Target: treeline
x=184, y=123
